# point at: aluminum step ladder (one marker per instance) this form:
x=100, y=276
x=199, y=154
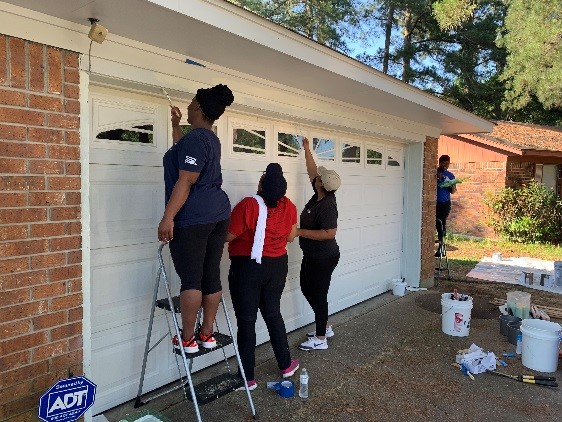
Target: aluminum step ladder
x=210, y=389
x=442, y=269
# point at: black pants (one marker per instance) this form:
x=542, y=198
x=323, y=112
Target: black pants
x=441, y=213
x=256, y=286
x=316, y=275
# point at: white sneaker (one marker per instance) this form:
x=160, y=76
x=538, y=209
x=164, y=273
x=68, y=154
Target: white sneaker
x=314, y=343
x=329, y=332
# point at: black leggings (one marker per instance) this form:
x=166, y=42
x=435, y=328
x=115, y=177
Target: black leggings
x=316, y=275
x=441, y=213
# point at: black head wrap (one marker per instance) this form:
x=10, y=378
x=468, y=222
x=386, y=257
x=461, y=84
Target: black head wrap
x=213, y=101
x=273, y=185
x=444, y=158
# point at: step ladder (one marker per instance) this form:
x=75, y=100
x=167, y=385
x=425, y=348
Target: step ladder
x=206, y=391
x=442, y=269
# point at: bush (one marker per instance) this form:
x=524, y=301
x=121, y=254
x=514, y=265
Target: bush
x=532, y=213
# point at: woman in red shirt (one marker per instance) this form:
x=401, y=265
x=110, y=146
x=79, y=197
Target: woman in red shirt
x=260, y=227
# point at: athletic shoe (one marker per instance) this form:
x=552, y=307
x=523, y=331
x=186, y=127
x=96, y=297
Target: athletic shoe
x=286, y=373
x=252, y=385
x=329, y=332
x=314, y=343
x=207, y=341
x=189, y=346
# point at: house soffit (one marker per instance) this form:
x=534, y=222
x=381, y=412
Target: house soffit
x=220, y=33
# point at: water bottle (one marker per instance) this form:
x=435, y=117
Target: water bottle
x=519, y=341
x=303, y=391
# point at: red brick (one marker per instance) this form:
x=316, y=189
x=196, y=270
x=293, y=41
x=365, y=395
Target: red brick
x=14, y=232
x=23, y=215
x=14, y=328
x=25, y=342
x=64, y=152
x=22, y=116
x=70, y=59
x=66, y=273
x=46, y=167
x=12, y=165
x=64, y=183
x=75, y=314
x=44, y=102
x=14, y=297
x=47, y=261
x=74, y=286
x=47, y=229
x=72, y=106
x=29, y=416
x=24, y=372
x=26, y=310
x=46, y=198
x=13, y=149
x=23, y=405
x=48, y=136
x=36, y=67
x=17, y=62
x=71, y=91
x=46, y=381
x=74, y=227
x=66, y=213
x=66, y=331
x=3, y=60
x=12, y=133
x=54, y=75
x=73, y=198
x=49, y=320
x=12, y=199
x=74, y=257
x=15, y=281
x=66, y=302
x=67, y=360
x=65, y=243
x=66, y=121
x=75, y=343
x=73, y=167
x=72, y=137
x=22, y=248
x=18, y=265
x=22, y=183
x=71, y=76
x=13, y=98
x=15, y=360
x=15, y=392
x=49, y=350
x=50, y=290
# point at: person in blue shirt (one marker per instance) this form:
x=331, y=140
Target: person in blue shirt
x=197, y=213
x=443, y=200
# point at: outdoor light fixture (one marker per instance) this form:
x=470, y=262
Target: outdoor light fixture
x=97, y=32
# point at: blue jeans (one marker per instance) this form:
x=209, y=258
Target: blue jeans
x=256, y=286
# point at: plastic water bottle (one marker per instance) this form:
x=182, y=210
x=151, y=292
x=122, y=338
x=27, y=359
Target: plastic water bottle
x=519, y=341
x=303, y=391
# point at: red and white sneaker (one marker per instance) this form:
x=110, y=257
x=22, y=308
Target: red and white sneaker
x=189, y=346
x=208, y=341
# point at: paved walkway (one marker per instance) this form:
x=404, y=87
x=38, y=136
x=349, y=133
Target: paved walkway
x=512, y=271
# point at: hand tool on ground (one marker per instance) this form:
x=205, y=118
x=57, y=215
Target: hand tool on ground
x=548, y=382
x=502, y=362
x=464, y=370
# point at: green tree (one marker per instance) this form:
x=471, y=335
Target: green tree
x=533, y=39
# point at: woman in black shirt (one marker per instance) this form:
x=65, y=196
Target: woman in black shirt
x=317, y=239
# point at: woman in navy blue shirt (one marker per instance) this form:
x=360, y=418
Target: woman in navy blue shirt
x=443, y=207
x=197, y=213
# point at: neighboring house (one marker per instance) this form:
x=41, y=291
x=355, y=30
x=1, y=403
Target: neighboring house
x=511, y=155
x=83, y=128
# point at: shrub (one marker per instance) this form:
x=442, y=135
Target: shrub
x=532, y=213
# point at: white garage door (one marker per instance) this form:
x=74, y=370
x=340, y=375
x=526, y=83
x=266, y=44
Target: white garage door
x=129, y=135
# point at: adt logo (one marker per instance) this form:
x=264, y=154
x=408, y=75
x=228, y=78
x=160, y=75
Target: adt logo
x=67, y=400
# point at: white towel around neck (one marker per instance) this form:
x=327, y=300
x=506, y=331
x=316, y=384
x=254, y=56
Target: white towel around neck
x=259, y=235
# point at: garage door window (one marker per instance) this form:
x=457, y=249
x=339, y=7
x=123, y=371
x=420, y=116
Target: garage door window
x=374, y=155
x=324, y=148
x=394, y=158
x=350, y=153
x=288, y=144
x=138, y=133
x=248, y=141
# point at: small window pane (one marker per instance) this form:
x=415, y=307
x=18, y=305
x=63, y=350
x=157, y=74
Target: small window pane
x=351, y=153
x=288, y=145
x=143, y=134
x=393, y=162
x=249, y=141
x=325, y=148
x=374, y=157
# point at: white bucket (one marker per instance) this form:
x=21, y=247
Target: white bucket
x=558, y=273
x=398, y=287
x=455, y=316
x=541, y=340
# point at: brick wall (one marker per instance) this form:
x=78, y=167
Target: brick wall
x=468, y=212
x=428, y=212
x=519, y=173
x=40, y=231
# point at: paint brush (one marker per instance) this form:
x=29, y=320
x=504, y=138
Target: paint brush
x=168, y=97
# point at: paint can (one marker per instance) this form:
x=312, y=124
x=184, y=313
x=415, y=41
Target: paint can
x=455, y=315
x=540, y=347
x=504, y=320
